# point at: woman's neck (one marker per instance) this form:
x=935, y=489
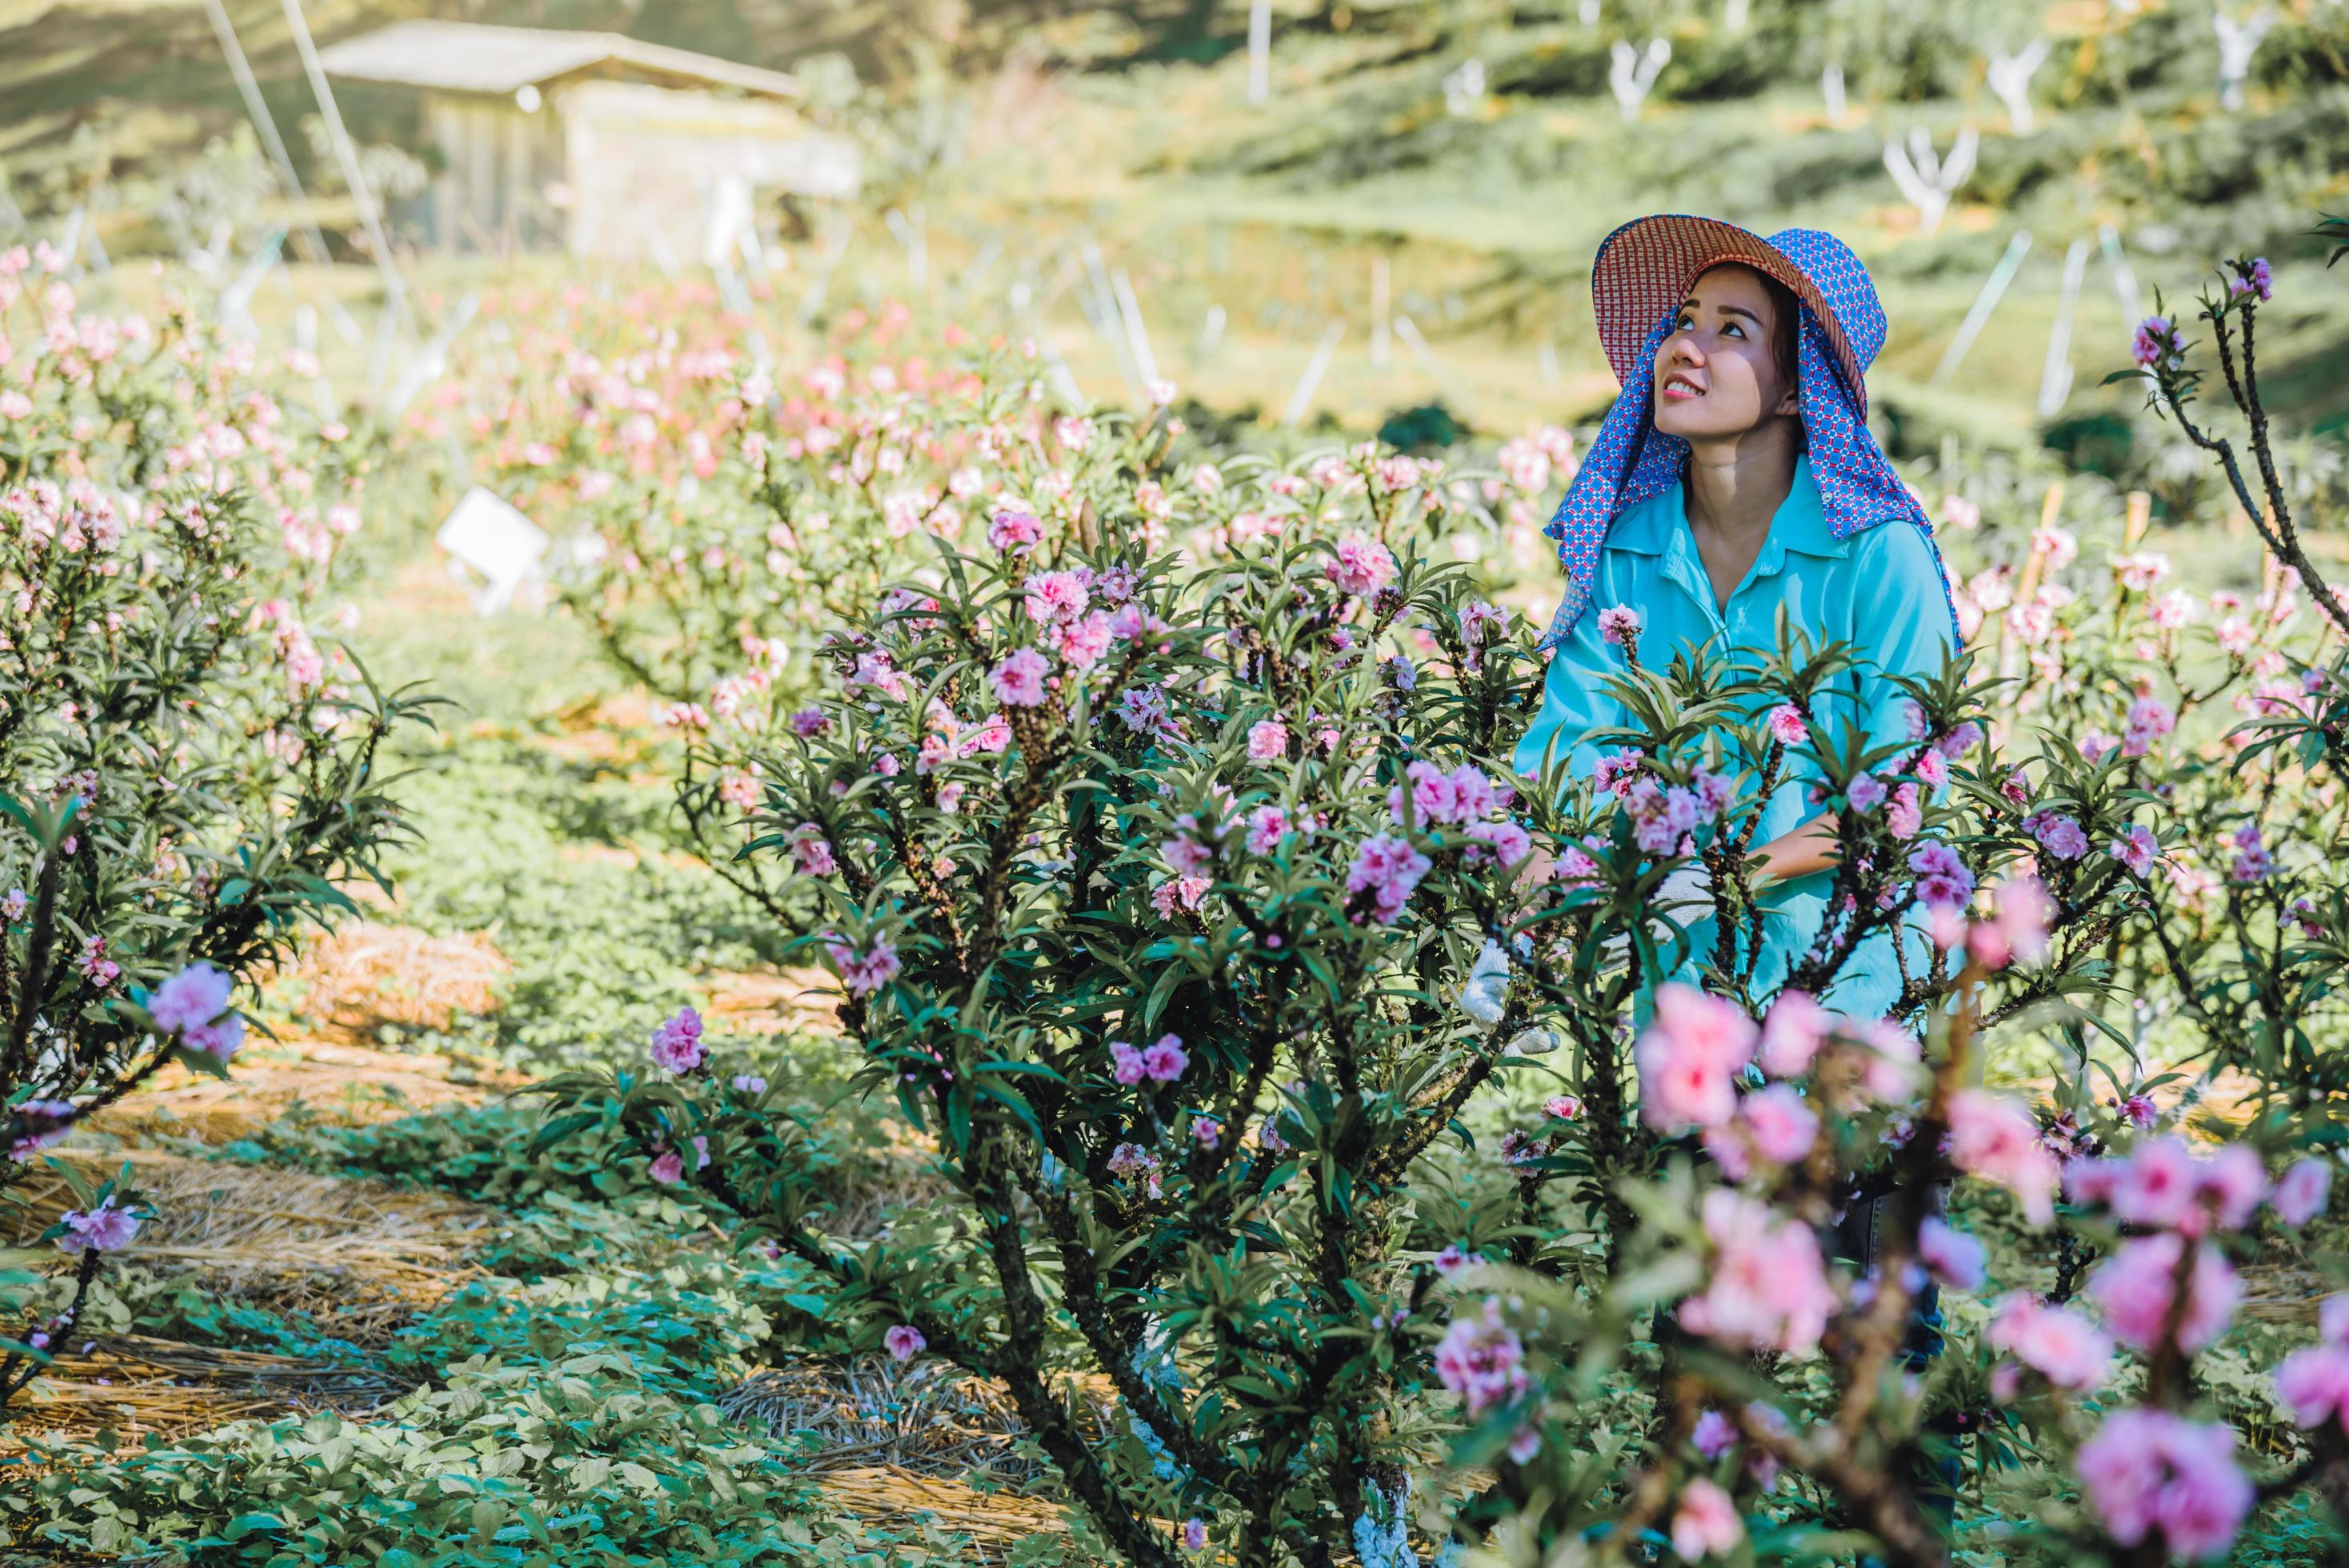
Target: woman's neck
x=1733, y=488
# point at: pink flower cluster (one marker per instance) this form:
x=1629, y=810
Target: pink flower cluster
x=2137, y=1288
x=904, y=1342
x=194, y=1006
x=1362, y=565
x=1161, y=1062
x=2148, y=1473
x=1388, y=869
x=1995, y=1138
x=2313, y=1382
x=866, y=971
x=2055, y=1342
x=1481, y=1359
x=2163, y=1185
x=677, y=1044
x=105, y=1229
x=1689, y=1058
x=1767, y=1286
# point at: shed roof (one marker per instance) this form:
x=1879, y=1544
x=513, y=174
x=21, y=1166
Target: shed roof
x=467, y=57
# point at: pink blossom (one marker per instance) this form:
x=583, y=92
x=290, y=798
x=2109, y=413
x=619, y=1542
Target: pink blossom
x=1362, y=565
x=1866, y=792
x=866, y=972
x=1165, y=1060
x=1563, y=1106
x=2148, y=721
x=1713, y=1435
x=2155, y=339
x=677, y=1042
x=2252, y=863
x=1056, y=596
x=1786, y=726
x=2057, y=834
x=2228, y=1185
x=811, y=850
x=1388, y=869
x=1772, y=1123
x=1619, y=625
x=904, y=1342
x=193, y=1005
x=1126, y=1063
x=1452, y=1261
x=1689, y=1056
x=1993, y=1138
x=1019, y=680
x=1768, y=1287
x=2136, y=1289
x=1266, y=826
x=1707, y=1522
x=1906, y=815
x=1194, y=1535
x=1792, y=1032
x=2055, y=1342
x=105, y=1229
x=1953, y=1257
x=1207, y=1130
x=2313, y=1384
x=668, y=1168
x=2016, y=932
x=2255, y=279
x=1508, y=842
x=2302, y=1190
x=2136, y=849
x=1615, y=772
x=1481, y=1359
x=1943, y=879
x=1267, y=740
x=2149, y=1471
x=1014, y=532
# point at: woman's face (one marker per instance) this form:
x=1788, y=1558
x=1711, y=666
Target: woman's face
x=1717, y=375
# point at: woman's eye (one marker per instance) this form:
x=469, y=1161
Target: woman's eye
x=1733, y=327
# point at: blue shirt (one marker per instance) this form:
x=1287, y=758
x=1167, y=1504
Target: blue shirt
x=1880, y=590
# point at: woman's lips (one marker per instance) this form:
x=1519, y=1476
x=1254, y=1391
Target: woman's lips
x=1681, y=391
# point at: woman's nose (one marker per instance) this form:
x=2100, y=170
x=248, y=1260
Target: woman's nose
x=1686, y=352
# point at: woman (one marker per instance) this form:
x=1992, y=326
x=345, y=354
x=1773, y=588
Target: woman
x=1733, y=481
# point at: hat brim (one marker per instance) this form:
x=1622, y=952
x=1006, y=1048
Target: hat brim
x=1645, y=269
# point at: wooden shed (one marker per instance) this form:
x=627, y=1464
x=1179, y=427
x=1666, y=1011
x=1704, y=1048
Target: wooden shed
x=613, y=148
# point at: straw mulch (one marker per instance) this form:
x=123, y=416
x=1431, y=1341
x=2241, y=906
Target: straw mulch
x=787, y=1002
x=137, y=1388
x=351, y=983
x=995, y=1522
x=924, y=1418
x=335, y=1085
x=360, y=1258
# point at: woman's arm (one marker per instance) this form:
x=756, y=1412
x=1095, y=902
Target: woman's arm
x=1809, y=847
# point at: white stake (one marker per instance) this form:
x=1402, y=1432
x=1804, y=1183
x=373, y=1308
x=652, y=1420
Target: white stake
x=2123, y=277
x=1381, y=307
x=1137, y=337
x=2009, y=79
x=1984, y=303
x=1546, y=357
x=2238, y=42
x=2055, y=382
x=1633, y=72
x=1315, y=368
x=346, y=155
x=1408, y=330
x=1259, y=50
x=1210, y=333
x=257, y=106
x=1831, y=88
x=1924, y=178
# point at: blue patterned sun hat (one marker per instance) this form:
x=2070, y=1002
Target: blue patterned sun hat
x=1638, y=283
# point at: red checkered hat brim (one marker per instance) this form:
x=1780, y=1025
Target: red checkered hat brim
x=1645, y=269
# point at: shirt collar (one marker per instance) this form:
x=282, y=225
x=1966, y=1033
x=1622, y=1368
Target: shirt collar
x=1800, y=524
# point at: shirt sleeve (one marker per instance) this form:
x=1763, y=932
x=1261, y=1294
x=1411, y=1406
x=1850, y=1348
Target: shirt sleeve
x=1903, y=623
x=1575, y=701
